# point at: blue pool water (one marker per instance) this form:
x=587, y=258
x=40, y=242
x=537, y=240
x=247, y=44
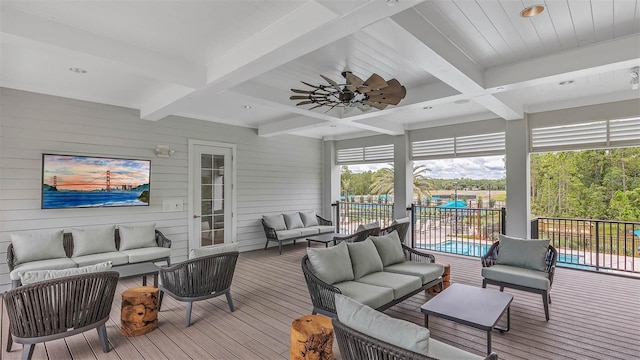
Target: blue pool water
x=462, y=248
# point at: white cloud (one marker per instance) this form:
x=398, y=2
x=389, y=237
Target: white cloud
x=485, y=167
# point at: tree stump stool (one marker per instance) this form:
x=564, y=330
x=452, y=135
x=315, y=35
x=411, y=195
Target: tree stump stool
x=446, y=281
x=139, y=313
x=312, y=338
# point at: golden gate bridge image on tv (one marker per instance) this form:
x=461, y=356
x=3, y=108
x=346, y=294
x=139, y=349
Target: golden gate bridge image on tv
x=100, y=191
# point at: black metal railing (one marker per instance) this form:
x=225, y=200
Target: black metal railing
x=601, y=245
x=463, y=231
x=349, y=215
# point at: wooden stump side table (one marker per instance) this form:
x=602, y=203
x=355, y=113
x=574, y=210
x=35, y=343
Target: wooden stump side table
x=312, y=338
x=139, y=313
x=446, y=281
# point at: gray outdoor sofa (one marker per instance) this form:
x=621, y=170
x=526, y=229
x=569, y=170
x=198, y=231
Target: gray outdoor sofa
x=293, y=226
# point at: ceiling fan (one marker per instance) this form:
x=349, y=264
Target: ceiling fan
x=364, y=94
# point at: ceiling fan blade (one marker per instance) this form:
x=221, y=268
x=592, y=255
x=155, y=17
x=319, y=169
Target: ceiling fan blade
x=317, y=106
x=320, y=87
x=376, y=105
x=389, y=90
x=333, y=83
x=385, y=99
x=353, y=82
x=394, y=82
x=374, y=82
x=304, y=91
x=305, y=102
x=305, y=97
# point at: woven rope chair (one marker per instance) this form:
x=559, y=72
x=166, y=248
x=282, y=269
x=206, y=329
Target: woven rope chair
x=54, y=309
x=360, y=235
x=199, y=279
x=401, y=228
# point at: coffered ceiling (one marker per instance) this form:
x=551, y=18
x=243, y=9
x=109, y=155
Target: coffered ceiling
x=235, y=61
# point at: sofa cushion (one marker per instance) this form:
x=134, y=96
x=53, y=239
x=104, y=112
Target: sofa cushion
x=529, y=254
x=146, y=254
x=50, y=264
x=389, y=247
x=37, y=245
x=322, y=229
x=138, y=236
x=293, y=221
x=368, y=226
x=275, y=221
x=309, y=218
x=370, y=295
x=288, y=234
x=383, y=327
x=33, y=276
x=308, y=231
x=518, y=276
x=331, y=265
x=426, y=271
x=213, y=249
x=440, y=350
x=364, y=258
x=116, y=258
x=401, y=221
x=400, y=283
x=93, y=240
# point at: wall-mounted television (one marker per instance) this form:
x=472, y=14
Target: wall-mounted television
x=72, y=181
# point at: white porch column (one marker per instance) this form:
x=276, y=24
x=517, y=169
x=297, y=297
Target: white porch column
x=330, y=179
x=517, y=166
x=403, y=176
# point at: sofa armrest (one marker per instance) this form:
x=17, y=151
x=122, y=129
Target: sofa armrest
x=162, y=240
x=323, y=221
x=269, y=232
x=413, y=255
x=10, y=257
x=321, y=293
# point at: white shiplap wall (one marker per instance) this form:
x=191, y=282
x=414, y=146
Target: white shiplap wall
x=274, y=175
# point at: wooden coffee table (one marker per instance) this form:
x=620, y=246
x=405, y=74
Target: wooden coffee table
x=472, y=306
x=326, y=238
x=139, y=269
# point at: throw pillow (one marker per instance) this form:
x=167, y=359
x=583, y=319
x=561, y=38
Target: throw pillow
x=364, y=258
x=331, y=265
x=213, y=249
x=371, y=322
x=94, y=240
x=400, y=221
x=293, y=221
x=368, y=226
x=389, y=247
x=136, y=237
x=524, y=253
x=309, y=218
x=275, y=221
x=33, y=276
x=37, y=245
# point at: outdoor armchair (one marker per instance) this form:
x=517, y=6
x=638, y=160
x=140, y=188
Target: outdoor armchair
x=361, y=235
x=199, y=279
x=54, y=309
x=401, y=228
x=521, y=264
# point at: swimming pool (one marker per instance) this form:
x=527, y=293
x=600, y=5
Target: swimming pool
x=478, y=250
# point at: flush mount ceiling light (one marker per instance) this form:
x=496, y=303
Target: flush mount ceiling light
x=246, y=107
x=566, y=82
x=532, y=11
x=635, y=78
x=77, y=70
x=355, y=92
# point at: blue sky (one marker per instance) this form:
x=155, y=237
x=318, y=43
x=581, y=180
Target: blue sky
x=484, y=167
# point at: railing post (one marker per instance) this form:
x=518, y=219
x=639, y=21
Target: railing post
x=337, y=205
x=413, y=224
x=597, y=245
x=534, y=229
x=503, y=221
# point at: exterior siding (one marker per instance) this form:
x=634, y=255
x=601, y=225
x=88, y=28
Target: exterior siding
x=274, y=175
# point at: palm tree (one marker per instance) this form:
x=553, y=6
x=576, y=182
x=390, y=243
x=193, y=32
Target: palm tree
x=383, y=181
x=345, y=181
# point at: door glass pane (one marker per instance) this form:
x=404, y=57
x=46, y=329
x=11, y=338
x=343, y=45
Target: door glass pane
x=218, y=237
x=218, y=222
x=206, y=237
x=206, y=161
x=207, y=192
x=206, y=208
x=207, y=177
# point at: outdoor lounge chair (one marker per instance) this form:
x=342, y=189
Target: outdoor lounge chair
x=521, y=264
x=361, y=235
x=400, y=227
x=54, y=309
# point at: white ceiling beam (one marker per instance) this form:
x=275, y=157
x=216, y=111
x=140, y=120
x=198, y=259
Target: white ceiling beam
x=29, y=28
x=284, y=126
x=316, y=26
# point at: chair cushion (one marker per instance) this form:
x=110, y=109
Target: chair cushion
x=37, y=245
x=400, y=283
x=138, y=236
x=93, y=240
x=401, y=221
x=517, y=276
x=213, y=249
x=364, y=258
x=33, y=276
x=389, y=247
x=308, y=231
x=146, y=254
x=331, y=265
x=440, y=350
x=116, y=258
x=288, y=234
x=370, y=295
x=293, y=221
x=525, y=253
x=309, y=218
x=275, y=221
x=323, y=228
x=383, y=327
x=50, y=264
x=368, y=226
x=426, y=271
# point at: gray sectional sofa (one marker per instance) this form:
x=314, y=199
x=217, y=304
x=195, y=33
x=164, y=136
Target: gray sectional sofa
x=57, y=250
x=293, y=226
x=378, y=272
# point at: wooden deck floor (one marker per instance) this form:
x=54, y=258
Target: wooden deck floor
x=593, y=316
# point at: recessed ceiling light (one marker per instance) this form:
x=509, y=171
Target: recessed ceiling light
x=532, y=11
x=333, y=126
x=566, y=82
x=392, y=2
x=428, y=107
x=246, y=107
x=461, y=101
x=78, y=70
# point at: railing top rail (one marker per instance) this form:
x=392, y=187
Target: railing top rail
x=585, y=220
